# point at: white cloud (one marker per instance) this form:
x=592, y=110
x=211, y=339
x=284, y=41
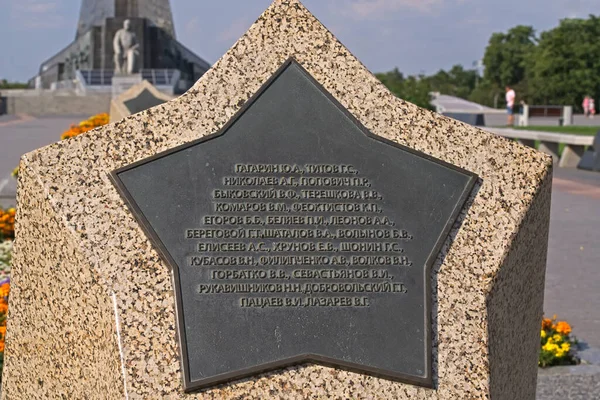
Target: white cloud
x=375, y=9
x=37, y=7
x=367, y=8
x=192, y=26
x=576, y=8
x=36, y=14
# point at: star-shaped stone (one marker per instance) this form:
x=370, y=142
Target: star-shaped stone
x=143, y=101
x=295, y=235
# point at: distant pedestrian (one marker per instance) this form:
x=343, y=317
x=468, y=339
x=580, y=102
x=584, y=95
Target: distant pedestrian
x=510, y=105
x=592, y=108
x=586, y=106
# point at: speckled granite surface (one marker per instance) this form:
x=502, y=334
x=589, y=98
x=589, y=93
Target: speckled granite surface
x=63, y=338
x=487, y=280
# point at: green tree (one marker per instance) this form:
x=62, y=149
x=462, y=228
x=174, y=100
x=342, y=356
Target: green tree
x=487, y=94
x=414, y=89
x=455, y=82
x=558, y=68
x=566, y=63
x=458, y=81
x=4, y=84
x=507, y=57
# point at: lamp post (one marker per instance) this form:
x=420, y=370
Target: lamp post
x=478, y=66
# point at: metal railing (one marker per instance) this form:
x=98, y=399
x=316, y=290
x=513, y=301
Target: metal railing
x=546, y=111
x=103, y=77
x=549, y=142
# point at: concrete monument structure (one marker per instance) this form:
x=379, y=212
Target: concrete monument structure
x=95, y=311
x=101, y=48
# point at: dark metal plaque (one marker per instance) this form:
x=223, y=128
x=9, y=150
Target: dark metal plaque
x=143, y=101
x=295, y=235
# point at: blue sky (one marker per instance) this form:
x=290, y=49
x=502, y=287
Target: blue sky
x=413, y=35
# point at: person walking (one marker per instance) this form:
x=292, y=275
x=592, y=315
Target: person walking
x=591, y=108
x=510, y=105
x=586, y=106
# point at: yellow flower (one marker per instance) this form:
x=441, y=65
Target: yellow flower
x=550, y=347
x=565, y=346
x=543, y=334
x=557, y=338
x=99, y=119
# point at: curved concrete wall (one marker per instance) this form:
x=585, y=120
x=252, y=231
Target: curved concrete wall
x=51, y=104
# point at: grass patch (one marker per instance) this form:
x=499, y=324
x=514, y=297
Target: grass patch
x=572, y=129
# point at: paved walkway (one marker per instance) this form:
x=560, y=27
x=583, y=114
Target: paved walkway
x=573, y=281
x=569, y=383
x=573, y=267
x=22, y=134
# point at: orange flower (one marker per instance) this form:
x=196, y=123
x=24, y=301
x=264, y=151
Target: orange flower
x=74, y=131
x=99, y=119
x=546, y=323
x=85, y=126
x=7, y=224
x=563, y=327
x=4, y=290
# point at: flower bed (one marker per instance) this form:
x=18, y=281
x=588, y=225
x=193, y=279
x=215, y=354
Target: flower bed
x=5, y=263
x=7, y=224
x=4, y=292
x=84, y=126
x=557, y=344
x=5, y=258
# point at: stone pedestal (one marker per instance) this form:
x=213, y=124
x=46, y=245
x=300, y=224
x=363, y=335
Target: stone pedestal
x=92, y=312
x=137, y=98
x=590, y=160
x=523, y=118
x=571, y=156
x=568, y=115
x=122, y=83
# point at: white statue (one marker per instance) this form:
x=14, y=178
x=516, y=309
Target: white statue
x=125, y=46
